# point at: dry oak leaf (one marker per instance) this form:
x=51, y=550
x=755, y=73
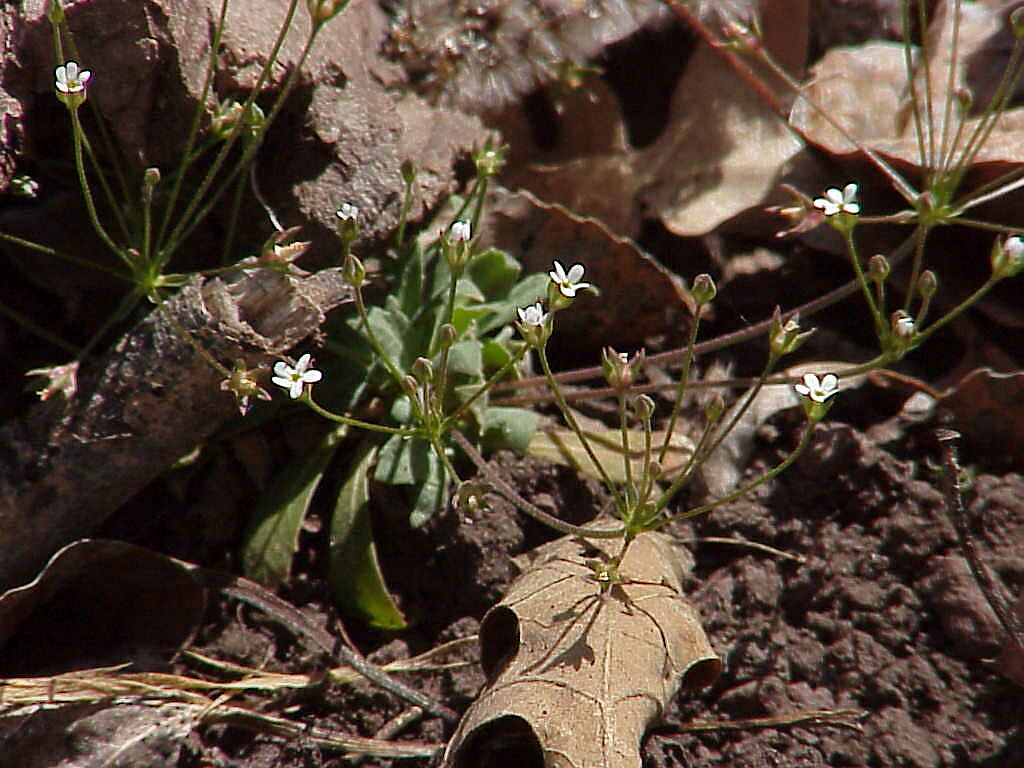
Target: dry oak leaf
x=575, y=673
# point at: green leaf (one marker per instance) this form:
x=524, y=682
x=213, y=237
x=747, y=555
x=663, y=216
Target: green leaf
x=432, y=493
x=272, y=539
x=511, y=428
x=523, y=293
x=402, y=461
x=494, y=272
x=353, y=570
x=410, y=287
x=465, y=358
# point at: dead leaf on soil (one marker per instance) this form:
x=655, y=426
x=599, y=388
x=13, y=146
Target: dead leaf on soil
x=537, y=233
x=722, y=153
x=987, y=411
x=98, y=601
x=575, y=678
x=865, y=90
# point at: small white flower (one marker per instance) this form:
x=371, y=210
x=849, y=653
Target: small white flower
x=816, y=390
x=1014, y=246
x=71, y=79
x=347, y=212
x=461, y=231
x=533, y=315
x=295, y=379
x=835, y=201
x=568, y=282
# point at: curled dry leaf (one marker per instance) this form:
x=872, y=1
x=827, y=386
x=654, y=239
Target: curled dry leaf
x=575, y=676
x=98, y=601
x=865, y=90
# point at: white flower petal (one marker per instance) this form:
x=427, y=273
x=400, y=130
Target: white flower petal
x=558, y=275
x=834, y=196
x=803, y=390
x=830, y=382
x=282, y=369
x=311, y=377
x=296, y=389
x=811, y=381
x=849, y=193
x=304, y=362
x=71, y=68
x=575, y=273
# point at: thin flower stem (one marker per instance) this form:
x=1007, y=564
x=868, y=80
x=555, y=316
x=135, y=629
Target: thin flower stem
x=71, y=259
x=449, y=312
x=851, y=251
x=627, y=461
x=570, y=419
x=487, y=385
x=369, y=426
x=525, y=506
x=34, y=328
x=954, y=313
x=743, y=491
x=357, y=294
x=684, y=378
x=193, y=214
x=691, y=464
x=90, y=206
x=439, y=450
x=805, y=310
x=945, y=146
x=193, y=131
x=915, y=270
x=929, y=110
x=908, y=63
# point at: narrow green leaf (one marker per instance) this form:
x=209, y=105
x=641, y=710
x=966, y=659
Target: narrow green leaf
x=272, y=539
x=353, y=569
x=465, y=358
x=431, y=494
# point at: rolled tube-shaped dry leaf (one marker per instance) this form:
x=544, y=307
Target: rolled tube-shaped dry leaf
x=576, y=674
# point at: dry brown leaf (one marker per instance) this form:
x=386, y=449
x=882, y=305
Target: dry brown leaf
x=865, y=90
x=98, y=601
x=723, y=151
x=576, y=676
x=639, y=298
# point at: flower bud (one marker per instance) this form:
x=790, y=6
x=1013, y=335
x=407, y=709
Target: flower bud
x=878, y=269
x=423, y=370
x=447, y=335
x=927, y=284
x=353, y=271
x=150, y=178
x=643, y=407
x=619, y=370
x=55, y=12
x=703, y=289
x=409, y=172
x=1007, y=257
x=322, y=11
x=715, y=408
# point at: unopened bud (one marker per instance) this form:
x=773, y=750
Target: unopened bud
x=619, y=370
x=411, y=387
x=703, y=290
x=715, y=408
x=423, y=370
x=927, y=284
x=643, y=407
x=1007, y=257
x=55, y=12
x=409, y=172
x=785, y=337
x=150, y=178
x=447, y=335
x=878, y=268
x=353, y=271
